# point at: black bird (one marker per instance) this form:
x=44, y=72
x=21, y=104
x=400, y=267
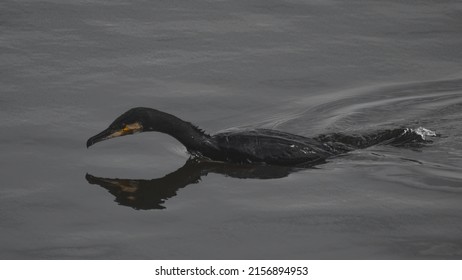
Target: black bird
x=253, y=146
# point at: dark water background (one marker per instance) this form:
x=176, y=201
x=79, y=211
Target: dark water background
x=68, y=68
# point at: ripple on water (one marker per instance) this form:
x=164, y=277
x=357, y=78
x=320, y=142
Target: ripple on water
x=410, y=105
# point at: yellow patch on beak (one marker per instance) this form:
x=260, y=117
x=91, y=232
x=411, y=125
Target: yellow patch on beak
x=133, y=128
x=128, y=129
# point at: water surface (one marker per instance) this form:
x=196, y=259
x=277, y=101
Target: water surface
x=307, y=67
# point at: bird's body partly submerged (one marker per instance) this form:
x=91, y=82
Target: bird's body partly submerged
x=251, y=146
x=269, y=146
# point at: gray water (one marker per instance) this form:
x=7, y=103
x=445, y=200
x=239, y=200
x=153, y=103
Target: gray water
x=68, y=68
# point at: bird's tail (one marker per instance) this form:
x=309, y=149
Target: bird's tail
x=395, y=137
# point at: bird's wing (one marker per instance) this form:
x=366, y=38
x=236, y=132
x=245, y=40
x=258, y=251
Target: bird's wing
x=270, y=146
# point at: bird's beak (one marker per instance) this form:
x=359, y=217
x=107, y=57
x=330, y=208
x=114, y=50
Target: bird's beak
x=111, y=133
x=104, y=135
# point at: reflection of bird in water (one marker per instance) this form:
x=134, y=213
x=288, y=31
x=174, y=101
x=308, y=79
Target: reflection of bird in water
x=260, y=145
x=151, y=194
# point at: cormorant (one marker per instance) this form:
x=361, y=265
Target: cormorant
x=253, y=146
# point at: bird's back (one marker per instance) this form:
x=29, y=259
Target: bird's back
x=270, y=146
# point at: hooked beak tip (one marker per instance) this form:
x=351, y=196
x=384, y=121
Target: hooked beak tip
x=97, y=138
x=89, y=177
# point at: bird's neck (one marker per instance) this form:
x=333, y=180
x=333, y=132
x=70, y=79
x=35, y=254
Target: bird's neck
x=189, y=135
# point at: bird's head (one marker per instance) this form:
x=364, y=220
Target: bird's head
x=130, y=122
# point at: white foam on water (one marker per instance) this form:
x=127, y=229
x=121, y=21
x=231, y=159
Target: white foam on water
x=423, y=132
